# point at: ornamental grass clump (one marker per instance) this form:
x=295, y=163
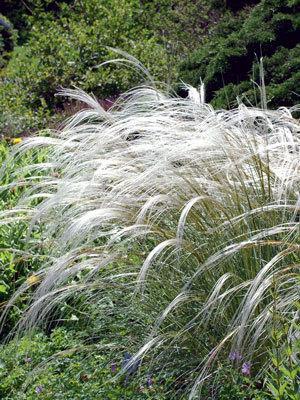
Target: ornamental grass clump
x=192, y=212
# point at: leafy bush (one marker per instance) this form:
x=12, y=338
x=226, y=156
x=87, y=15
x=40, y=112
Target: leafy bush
x=283, y=379
x=63, y=43
x=229, y=59
x=17, y=115
x=180, y=25
x=193, y=211
x=67, y=50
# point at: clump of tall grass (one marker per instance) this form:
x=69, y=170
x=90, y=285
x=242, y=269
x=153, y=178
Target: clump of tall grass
x=194, y=211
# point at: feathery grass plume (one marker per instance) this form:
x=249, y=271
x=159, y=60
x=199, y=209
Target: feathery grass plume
x=195, y=211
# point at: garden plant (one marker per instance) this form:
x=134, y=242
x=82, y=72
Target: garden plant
x=173, y=230
x=149, y=214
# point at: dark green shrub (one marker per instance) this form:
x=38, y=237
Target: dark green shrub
x=228, y=61
x=8, y=38
x=23, y=13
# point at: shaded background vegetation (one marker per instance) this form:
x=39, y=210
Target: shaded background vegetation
x=47, y=44
x=228, y=60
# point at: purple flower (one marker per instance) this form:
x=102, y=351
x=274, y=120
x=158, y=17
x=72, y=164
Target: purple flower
x=130, y=366
x=39, y=389
x=127, y=363
x=126, y=359
x=28, y=360
x=235, y=356
x=149, y=381
x=246, y=368
x=113, y=367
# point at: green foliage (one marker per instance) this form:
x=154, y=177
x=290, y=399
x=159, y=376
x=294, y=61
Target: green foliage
x=16, y=261
x=228, y=60
x=68, y=50
x=22, y=13
x=62, y=43
x=230, y=384
x=63, y=366
x=181, y=25
x=17, y=116
x=283, y=379
x=8, y=38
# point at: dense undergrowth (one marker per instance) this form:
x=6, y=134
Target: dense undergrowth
x=68, y=365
